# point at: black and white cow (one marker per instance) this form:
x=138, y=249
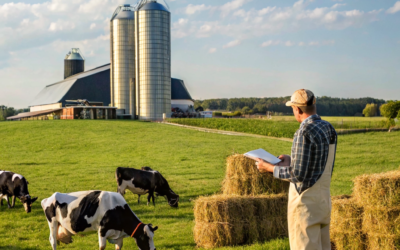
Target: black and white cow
x=146, y=181
x=14, y=185
x=106, y=213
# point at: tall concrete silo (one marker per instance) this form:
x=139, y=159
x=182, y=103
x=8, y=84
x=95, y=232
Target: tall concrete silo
x=122, y=74
x=153, y=60
x=74, y=63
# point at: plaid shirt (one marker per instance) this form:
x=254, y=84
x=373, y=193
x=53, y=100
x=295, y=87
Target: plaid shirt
x=310, y=151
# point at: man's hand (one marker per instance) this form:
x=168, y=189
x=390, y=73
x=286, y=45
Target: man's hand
x=285, y=161
x=263, y=166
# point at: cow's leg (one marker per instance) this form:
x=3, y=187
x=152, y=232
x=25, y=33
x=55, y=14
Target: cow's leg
x=53, y=225
x=152, y=196
x=8, y=201
x=119, y=243
x=148, y=198
x=13, y=201
x=102, y=241
x=138, y=200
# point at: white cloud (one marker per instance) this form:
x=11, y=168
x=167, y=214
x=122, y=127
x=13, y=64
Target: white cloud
x=289, y=44
x=192, y=9
x=92, y=26
x=245, y=24
x=338, y=5
x=395, y=8
x=301, y=44
x=231, y=6
x=212, y=50
x=314, y=43
x=270, y=43
x=232, y=44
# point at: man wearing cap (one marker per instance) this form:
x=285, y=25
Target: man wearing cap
x=309, y=169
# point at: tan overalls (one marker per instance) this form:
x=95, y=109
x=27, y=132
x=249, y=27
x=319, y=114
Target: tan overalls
x=309, y=213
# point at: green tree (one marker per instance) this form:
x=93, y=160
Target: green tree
x=370, y=110
x=391, y=109
x=246, y=110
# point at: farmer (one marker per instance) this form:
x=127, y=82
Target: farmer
x=309, y=170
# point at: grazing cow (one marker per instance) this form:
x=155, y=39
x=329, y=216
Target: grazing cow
x=106, y=213
x=15, y=185
x=145, y=182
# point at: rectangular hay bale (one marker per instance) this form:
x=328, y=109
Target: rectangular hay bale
x=236, y=220
x=382, y=225
x=243, y=178
x=346, y=220
x=378, y=189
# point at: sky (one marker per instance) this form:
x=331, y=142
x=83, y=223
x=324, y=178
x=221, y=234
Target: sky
x=220, y=48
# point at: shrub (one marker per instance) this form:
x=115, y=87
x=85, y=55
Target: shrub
x=370, y=110
x=391, y=109
x=237, y=113
x=217, y=113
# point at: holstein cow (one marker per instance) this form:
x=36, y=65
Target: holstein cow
x=15, y=185
x=106, y=213
x=145, y=182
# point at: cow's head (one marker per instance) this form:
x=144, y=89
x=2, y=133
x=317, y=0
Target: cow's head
x=172, y=198
x=145, y=240
x=27, y=202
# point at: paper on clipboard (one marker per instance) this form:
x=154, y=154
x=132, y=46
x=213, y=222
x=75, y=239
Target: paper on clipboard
x=262, y=154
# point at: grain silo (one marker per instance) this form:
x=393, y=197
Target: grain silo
x=153, y=61
x=74, y=63
x=122, y=74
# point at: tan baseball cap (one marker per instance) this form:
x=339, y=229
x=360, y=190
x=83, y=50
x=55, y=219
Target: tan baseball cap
x=302, y=98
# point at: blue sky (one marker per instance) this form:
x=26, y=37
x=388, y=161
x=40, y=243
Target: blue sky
x=221, y=48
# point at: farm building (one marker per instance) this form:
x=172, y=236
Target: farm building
x=92, y=85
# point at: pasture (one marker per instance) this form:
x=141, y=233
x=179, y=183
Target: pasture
x=68, y=156
x=279, y=126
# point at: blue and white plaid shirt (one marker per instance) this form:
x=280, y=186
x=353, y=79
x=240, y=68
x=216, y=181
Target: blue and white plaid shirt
x=310, y=152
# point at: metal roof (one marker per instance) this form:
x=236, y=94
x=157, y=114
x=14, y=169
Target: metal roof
x=29, y=114
x=153, y=6
x=94, y=85
x=74, y=54
x=123, y=12
x=179, y=90
x=55, y=93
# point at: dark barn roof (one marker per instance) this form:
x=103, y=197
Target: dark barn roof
x=179, y=90
x=93, y=85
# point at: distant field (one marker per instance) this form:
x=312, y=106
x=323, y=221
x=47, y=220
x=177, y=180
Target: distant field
x=68, y=156
x=278, y=126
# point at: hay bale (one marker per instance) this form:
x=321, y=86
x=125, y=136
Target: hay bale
x=382, y=225
x=346, y=220
x=378, y=189
x=243, y=178
x=383, y=242
x=235, y=220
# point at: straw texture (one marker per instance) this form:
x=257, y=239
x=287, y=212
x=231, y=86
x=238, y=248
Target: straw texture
x=243, y=178
x=232, y=220
x=346, y=221
x=378, y=189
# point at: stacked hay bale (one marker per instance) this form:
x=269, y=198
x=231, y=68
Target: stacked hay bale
x=379, y=195
x=346, y=218
x=223, y=220
x=243, y=178
x=252, y=208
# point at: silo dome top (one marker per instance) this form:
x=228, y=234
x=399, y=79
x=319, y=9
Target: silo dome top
x=152, y=5
x=74, y=54
x=124, y=12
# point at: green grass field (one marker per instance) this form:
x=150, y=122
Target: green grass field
x=68, y=156
x=278, y=126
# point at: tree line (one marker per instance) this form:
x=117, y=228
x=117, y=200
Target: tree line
x=10, y=111
x=327, y=106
